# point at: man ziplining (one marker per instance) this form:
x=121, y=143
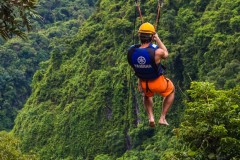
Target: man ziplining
x=145, y=59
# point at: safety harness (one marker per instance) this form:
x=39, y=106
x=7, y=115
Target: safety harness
x=142, y=61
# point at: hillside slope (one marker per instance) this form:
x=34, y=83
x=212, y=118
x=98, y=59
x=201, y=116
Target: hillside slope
x=21, y=58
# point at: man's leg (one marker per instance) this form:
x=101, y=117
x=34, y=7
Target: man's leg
x=167, y=102
x=148, y=104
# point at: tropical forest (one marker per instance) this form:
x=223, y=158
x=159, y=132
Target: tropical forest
x=67, y=91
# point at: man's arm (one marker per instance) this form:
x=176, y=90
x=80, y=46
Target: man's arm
x=162, y=51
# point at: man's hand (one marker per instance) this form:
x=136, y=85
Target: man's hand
x=155, y=37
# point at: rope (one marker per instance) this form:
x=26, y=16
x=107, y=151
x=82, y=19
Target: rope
x=160, y=4
x=134, y=25
x=158, y=14
x=129, y=84
x=139, y=10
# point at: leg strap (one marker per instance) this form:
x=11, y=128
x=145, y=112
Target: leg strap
x=147, y=88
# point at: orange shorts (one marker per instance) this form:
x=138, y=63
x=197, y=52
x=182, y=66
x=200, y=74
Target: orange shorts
x=161, y=85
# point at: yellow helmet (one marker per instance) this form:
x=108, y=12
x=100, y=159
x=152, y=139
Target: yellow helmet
x=147, y=28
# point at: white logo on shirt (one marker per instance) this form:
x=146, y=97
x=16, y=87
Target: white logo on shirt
x=141, y=60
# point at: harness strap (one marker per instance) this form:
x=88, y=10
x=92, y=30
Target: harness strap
x=139, y=10
x=157, y=17
x=147, y=88
x=160, y=4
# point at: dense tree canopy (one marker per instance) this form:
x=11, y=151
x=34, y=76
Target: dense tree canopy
x=15, y=17
x=21, y=58
x=9, y=146
x=210, y=126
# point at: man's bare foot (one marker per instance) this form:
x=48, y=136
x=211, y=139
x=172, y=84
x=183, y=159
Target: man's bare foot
x=163, y=121
x=152, y=124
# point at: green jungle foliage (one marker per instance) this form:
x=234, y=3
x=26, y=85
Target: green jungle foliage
x=9, y=148
x=210, y=127
x=21, y=58
x=85, y=105
x=19, y=61
x=15, y=15
x=64, y=10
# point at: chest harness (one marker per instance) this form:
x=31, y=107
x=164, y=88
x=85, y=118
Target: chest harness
x=142, y=60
